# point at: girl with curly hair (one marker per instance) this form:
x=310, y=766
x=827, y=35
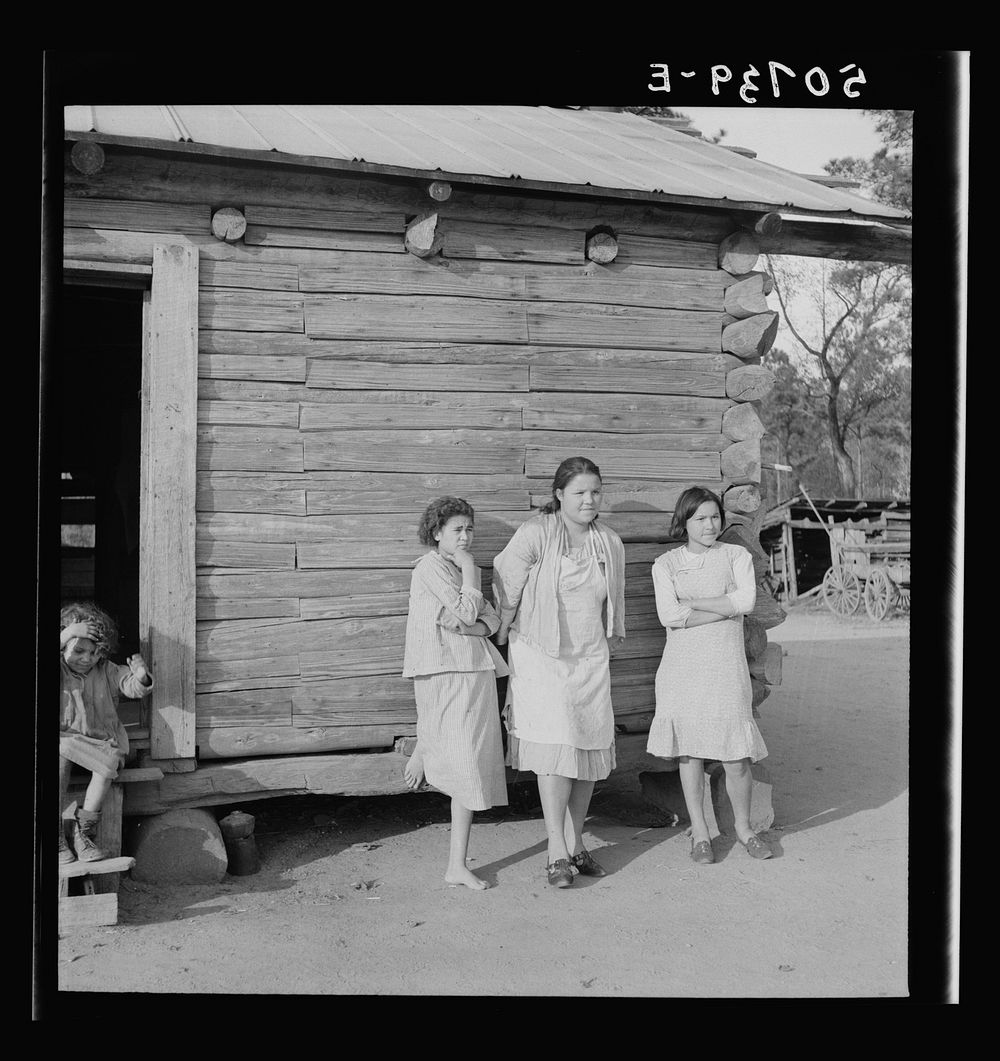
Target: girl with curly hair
x=453, y=666
x=90, y=733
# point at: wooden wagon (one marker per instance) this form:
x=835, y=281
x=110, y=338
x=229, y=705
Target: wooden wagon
x=875, y=572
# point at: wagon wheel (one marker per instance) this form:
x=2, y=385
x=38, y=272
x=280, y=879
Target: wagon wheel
x=841, y=591
x=879, y=593
x=903, y=598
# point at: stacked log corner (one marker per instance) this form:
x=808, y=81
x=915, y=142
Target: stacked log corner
x=749, y=330
x=367, y=344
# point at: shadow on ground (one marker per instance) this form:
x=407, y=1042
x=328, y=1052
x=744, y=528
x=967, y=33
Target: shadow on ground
x=827, y=761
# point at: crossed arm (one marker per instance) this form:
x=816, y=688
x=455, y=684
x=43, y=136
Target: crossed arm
x=709, y=610
x=699, y=611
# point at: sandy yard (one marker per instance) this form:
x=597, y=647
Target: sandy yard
x=350, y=898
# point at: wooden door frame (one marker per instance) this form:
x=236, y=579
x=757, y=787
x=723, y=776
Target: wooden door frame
x=167, y=482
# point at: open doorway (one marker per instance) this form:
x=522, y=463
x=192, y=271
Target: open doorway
x=125, y=391
x=99, y=414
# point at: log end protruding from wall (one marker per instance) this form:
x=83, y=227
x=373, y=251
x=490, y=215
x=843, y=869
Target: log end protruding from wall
x=752, y=337
x=738, y=253
x=740, y=462
x=748, y=296
x=740, y=422
x=749, y=383
x=602, y=246
x=742, y=499
x=422, y=237
x=87, y=157
x=229, y=224
x=765, y=225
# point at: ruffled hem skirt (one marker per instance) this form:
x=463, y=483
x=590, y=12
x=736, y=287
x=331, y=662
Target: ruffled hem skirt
x=581, y=764
x=670, y=738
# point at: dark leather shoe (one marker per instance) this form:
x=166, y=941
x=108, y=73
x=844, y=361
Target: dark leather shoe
x=756, y=848
x=586, y=865
x=702, y=852
x=560, y=873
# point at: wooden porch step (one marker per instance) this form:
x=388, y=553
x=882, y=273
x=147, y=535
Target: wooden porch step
x=92, y=908
x=98, y=905
x=121, y=864
x=86, y=911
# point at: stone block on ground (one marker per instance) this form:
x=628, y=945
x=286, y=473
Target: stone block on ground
x=179, y=847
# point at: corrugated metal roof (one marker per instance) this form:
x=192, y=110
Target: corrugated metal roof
x=597, y=150
x=840, y=508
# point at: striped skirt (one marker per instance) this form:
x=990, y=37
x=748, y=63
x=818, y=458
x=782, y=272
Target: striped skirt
x=458, y=733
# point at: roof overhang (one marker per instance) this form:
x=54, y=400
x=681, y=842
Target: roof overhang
x=824, y=234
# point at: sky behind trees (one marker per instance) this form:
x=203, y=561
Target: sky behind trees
x=798, y=139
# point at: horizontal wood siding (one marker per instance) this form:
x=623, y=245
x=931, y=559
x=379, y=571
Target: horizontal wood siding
x=318, y=239
x=263, y=275
x=413, y=317
x=250, y=310
x=406, y=352
x=630, y=327
x=367, y=375
x=344, y=383
x=459, y=451
x=151, y=217
x=337, y=220
x=412, y=409
x=471, y=239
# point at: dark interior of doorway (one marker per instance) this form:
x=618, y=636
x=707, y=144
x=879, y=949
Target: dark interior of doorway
x=98, y=417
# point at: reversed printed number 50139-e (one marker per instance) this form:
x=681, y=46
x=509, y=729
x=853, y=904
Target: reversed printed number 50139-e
x=816, y=79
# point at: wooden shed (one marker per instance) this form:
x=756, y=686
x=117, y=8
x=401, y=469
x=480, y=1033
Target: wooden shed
x=310, y=321
x=804, y=536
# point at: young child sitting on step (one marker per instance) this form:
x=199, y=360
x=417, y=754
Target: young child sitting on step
x=90, y=732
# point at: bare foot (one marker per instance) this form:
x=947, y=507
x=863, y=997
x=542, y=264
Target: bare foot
x=413, y=772
x=465, y=876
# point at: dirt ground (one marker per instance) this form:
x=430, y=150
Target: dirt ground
x=350, y=898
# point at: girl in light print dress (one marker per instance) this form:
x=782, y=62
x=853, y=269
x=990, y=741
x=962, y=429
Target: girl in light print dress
x=703, y=695
x=454, y=669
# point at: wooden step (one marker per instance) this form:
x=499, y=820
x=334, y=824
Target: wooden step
x=87, y=911
x=89, y=869
x=93, y=907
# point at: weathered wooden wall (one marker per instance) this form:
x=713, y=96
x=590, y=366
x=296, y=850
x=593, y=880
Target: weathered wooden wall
x=344, y=382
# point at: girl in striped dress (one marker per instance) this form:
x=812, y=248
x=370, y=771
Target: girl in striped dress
x=454, y=669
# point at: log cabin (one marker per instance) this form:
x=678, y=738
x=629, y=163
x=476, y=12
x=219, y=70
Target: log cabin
x=304, y=323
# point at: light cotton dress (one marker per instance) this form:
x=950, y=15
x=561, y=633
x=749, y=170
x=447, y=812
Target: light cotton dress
x=454, y=685
x=703, y=694
x=558, y=711
x=90, y=733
